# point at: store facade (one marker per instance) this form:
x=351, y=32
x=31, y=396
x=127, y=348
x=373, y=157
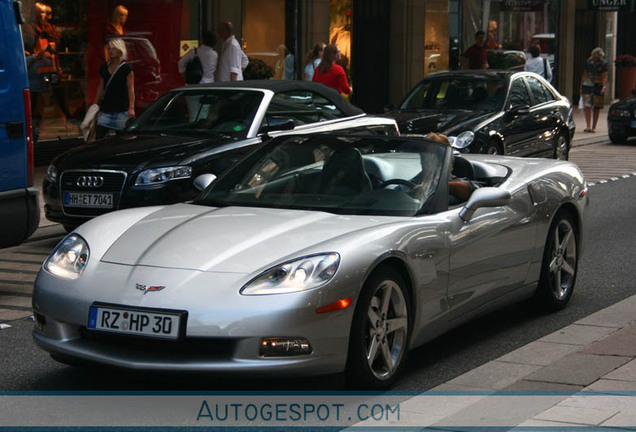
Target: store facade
x=388, y=45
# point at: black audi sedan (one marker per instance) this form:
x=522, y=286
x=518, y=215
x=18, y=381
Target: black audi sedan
x=189, y=131
x=621, y=120
x=496, y=112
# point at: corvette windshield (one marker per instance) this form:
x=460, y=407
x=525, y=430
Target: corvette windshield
x=214, y=111
x=452, y=93
x=343, y=175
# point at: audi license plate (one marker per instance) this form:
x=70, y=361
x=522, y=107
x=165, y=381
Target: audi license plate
x=135, y=321
x=94, y=200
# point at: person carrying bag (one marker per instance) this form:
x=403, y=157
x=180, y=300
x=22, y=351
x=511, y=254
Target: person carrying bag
x=116, y=99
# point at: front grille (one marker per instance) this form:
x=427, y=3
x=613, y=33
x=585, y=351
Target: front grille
x=113, y=182
x=209, y=347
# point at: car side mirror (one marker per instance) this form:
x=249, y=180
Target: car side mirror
x=203, y=181
x=389, y=107
x=278, y=125
x=484, y=197
x=518, y=110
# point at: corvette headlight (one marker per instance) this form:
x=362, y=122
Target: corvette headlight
x=162, y=175
x=51, y=173
x=69, y=258
x=464, y=139
x=298, y=275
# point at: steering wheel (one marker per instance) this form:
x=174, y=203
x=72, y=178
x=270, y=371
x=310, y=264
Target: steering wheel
x=397, y=181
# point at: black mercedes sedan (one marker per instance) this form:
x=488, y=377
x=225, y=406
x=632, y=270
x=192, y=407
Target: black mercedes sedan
x=189, y=131
x=621, y=120
x=495, y=112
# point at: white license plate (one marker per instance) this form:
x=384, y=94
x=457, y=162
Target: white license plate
x=135, y=322
x=94, y=200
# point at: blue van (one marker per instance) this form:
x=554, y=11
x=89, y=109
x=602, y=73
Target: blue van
x=19, y=207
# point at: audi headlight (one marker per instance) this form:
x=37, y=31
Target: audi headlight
x=299, y=275
x=51, y=173
x=69, y=258
x=162, y=175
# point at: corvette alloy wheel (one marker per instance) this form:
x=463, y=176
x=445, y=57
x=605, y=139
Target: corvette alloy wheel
x=380, y=332
x=560, y=263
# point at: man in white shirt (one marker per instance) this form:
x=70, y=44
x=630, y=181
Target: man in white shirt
x=233, y=60
x=538, y=64
x=207, y=55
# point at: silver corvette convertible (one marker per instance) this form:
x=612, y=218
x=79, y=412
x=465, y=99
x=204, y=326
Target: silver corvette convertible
x=314, y=255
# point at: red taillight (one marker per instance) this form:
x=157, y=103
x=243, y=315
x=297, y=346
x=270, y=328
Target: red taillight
x=29, y=135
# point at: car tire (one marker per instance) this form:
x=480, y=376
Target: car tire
x=617, y=139
x=560, y=264
x=377, y=350
x=493, y=148
x=561, y=148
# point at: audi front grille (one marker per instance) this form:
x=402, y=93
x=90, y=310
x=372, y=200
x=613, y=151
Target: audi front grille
x=91, y=184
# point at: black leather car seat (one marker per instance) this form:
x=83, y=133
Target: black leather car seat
x=462, y=168
x=343, y=174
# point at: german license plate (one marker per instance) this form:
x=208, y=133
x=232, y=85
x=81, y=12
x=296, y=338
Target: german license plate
x=135, y=321
x=93, y=200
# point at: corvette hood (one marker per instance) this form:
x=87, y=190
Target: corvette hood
x=449, y=121
x=228, y=239
x=136, y=151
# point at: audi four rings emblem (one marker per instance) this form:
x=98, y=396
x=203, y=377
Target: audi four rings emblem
x=90, y=181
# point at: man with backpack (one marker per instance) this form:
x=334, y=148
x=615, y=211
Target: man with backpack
x=199, y=64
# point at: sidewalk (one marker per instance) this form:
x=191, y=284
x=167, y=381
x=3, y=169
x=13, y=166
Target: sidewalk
x=585, y=138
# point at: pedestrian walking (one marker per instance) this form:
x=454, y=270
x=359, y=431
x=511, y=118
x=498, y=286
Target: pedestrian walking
x=232, y=60
x=312, y=60
x=592, y=89
x=475, y=57
x=538, y=64
x=208, y=57
x=330, y=73
x=115, y=92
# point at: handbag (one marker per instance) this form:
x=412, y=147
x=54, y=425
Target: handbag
x=194, y=70
x=89, y=122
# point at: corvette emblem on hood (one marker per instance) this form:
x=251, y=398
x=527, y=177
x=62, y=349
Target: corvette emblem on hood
x=147, y=289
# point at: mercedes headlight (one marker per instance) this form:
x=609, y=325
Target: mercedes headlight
x=162, y=175
x=298, y=275
x=51, y=173
x=464, y=139
x=69, y=258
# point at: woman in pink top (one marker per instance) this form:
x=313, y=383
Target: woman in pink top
x=330, y=73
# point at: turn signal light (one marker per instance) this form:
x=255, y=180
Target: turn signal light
x=338, y=305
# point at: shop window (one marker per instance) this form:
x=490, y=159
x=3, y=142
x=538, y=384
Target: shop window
x=340, y=27
x=436, y=36
x=264, y=36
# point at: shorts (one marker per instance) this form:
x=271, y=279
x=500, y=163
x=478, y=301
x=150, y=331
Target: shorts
x=116, y=121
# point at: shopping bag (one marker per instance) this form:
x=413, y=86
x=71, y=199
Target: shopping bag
x=89, y=122
x=581, y=103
